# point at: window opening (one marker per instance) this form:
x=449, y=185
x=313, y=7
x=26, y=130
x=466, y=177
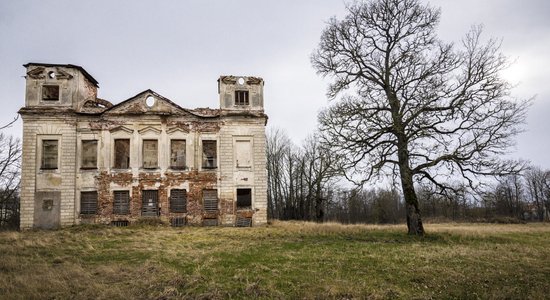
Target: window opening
x=244, y=198
x=209, y=154
x=89, y=154
x=178, y=222
x=241, y=98
x=122, y=153
x=243, y=222
x=120, y=223
x=177, y=154
x=88, y=203
x=178, y=201
x=210, y=200
x=49, y=154
x=150, y=101
x=121, y=205
x=50, y=92
x=149, y=207
x=150, y=154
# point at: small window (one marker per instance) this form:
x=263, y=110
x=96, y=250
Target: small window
x=177, y=154
x=88, y=203
x=122, y=154
x=243, y=222
x=210, y=200
x=178, y=201
x=89, y=154
x=49, y=154
x=209, y=154
x=121, y=205
x=241, y=98
x=244, y=198
x=50, y=92
x=178, y=222
x=150, y=154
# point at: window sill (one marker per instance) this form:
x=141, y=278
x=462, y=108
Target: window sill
x=115, y=170
x=153, y=169
x=244, y=208
x=178, y=168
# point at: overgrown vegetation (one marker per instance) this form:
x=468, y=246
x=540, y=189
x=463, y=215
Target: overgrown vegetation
x=283, y=260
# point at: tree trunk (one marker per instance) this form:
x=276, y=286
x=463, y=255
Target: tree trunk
x=414, y=221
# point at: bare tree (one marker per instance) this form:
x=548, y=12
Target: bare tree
x=416, y=107
x=298, y=177
x=537, y=181
x=10, y=165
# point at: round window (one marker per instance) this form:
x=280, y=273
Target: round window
x=150, y=101
x=240, y=81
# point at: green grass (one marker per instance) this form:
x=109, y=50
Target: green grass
x=283, y=260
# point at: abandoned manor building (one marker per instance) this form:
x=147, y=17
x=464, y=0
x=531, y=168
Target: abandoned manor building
x=86, y=160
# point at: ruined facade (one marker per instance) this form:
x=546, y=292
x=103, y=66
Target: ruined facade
x=88, y=161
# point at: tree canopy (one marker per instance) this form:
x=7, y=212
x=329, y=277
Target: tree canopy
x=412, y=105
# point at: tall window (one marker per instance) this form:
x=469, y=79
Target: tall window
x=241, y=98
x=150, y=154
x=149, y=203
x=89, y=154
x=49, y=154
x=177, y=154
x=88, y=203
x=210, y=200
x=122, y=153
x=121, y=204
x=50, y=92
x=209, y=154
x=244, y=198
x=178, y=201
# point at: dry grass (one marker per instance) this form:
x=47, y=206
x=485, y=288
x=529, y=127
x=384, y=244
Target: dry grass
x=283, y=260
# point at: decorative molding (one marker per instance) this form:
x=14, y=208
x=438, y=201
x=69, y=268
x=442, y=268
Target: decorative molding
x=122, y=128
x=229, y=79
x=37, y=73
x=62, y=74
x=48, y=129
x=176, y=129
x=149, y=128
x=254, y=80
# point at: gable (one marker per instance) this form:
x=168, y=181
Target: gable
x=147, y=102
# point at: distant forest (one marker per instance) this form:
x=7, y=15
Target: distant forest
x=305, y=185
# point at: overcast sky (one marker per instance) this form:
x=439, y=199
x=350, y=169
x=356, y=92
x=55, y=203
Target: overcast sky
x=180, y=48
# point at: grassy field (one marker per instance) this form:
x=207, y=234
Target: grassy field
x=283, y=260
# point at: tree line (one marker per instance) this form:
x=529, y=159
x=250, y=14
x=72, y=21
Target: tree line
x=305, y=183
x=10, y=171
